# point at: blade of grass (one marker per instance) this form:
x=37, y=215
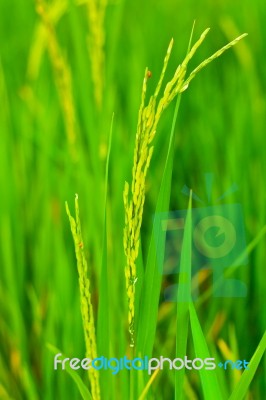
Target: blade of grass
x=103, y=322
x=152, y=279
x=230, y=271
x=183, y=300
x=83, y=390
x=241, y=389
x=147, y=387
x=209, y=381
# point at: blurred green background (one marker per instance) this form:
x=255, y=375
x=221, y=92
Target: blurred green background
x=220, y=130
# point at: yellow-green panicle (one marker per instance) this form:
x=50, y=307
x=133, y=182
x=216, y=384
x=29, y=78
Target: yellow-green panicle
x=148, y=119
x=85, y=299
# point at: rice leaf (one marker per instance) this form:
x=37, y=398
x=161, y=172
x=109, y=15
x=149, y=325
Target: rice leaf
x=209, y=381
x=238, y=262
x=147, y=387
x=83, y=390
x=183, y=300
x=153, y=276
x=241, y=389
x=103, y=321
x=152, y=279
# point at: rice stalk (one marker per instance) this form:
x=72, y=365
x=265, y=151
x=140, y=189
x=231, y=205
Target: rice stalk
x=96, y=15
x=85, y=299
x=62, y=76
x=40, y=40
x=213, y=57
x=148, y=119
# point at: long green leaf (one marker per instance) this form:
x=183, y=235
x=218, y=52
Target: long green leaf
x=209, y=380
x=238, y=262
x=242, y=387
x=153, y=276
x=183, y=300
x=83, y=390
x=103, y=321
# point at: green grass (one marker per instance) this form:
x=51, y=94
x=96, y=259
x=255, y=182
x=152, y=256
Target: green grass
x=220, y=129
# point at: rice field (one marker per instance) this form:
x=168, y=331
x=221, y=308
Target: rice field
x=132, y=208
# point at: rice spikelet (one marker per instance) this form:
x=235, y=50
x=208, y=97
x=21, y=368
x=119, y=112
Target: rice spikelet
x=96, y=16
x=62, y=76
x=85, y=299
x=148, y=119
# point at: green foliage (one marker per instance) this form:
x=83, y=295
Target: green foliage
x=63, y=74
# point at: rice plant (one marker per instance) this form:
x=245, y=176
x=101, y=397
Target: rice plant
x=86, y=287
x=149, y=118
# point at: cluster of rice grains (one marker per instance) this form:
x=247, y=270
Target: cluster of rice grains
x=85, y=299
x=62, y=77
x=148, y=119
x=96, y=11
x=49, y=13
x=134, y=197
